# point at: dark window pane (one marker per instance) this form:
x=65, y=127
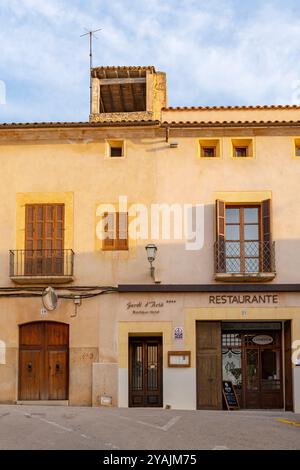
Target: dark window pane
x=240, y=151
x=298, y=151
x=116, y=151
x=208, y=152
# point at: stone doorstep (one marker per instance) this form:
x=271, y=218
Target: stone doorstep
x=44, y=402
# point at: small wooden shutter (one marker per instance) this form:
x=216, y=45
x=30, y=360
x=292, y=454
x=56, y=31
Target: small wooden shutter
x=116, y=229
x=266, y=236
x=220, y=237
x=122, y=231
x=109, y=231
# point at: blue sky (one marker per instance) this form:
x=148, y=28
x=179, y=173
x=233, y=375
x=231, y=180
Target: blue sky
x=215, y=52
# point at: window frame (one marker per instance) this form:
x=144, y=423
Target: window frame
x=243, y=142
x=204, y=143
x=115, y=143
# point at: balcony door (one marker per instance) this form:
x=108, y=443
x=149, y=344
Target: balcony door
x=44, y=240
x=242, y=234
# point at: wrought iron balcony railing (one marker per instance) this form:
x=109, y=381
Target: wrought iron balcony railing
x=247, y=258
x=41, y=263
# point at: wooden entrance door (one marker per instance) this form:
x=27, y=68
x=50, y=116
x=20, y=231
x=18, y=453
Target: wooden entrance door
x=145, y=372
x=43, y=361
x=44, y=239
x=209, y=371
x=263, y=372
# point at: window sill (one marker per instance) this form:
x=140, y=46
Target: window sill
x=42, y=279
x=244, y=277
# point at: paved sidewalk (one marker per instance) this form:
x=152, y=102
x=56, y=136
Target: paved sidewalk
x=58, y=427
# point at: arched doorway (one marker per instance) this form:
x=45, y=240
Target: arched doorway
x=43, y=361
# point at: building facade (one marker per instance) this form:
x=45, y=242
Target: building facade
x=215, y=189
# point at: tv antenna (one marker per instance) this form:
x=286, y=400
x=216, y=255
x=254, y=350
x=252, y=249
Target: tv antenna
x=91, y=35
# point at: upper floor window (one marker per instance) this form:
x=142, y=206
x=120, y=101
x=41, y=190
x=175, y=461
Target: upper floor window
x=242, y=148
x=44, y=239
x=297, y=148
x=115, y=231
x=115, y=148
x=209, y=148
x=244, y=244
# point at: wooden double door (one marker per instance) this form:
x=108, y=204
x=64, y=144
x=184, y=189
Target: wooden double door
x=145, y=372
x=43, y=361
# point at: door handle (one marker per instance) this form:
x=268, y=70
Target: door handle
x=29, y=366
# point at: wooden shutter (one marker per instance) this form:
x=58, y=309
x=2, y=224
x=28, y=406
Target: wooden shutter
x=220, y=237
x=266, y=236
x=109, y=231
x=44, y=239
x=209, y=365
x=122, y=231
x=116, y=230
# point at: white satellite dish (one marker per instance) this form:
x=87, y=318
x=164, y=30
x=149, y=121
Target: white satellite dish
x=49, y=298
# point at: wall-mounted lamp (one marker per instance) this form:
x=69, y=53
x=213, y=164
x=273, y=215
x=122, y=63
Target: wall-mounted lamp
x=151, y=250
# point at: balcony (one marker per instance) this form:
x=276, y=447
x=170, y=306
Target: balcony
x=247, y=261
x=44, y=266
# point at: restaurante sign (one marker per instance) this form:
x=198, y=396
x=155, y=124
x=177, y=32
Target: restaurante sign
x=244, y=299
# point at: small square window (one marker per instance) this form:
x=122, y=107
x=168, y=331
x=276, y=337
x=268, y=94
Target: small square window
x=240, y=151
x=209, y=148
x=115, y=148
x=242, y=148
x=209, y=152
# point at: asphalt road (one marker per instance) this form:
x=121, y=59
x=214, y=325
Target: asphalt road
x=57, y=427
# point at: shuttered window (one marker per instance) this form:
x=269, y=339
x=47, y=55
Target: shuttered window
x=116, y=231
x=44, y=238
x=243, y=235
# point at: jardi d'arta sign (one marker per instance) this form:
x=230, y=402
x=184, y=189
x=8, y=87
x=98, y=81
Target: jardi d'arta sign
x=232, y=299
x=148, y=306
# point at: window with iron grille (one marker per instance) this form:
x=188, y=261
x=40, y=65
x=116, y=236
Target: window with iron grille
x=243, y=238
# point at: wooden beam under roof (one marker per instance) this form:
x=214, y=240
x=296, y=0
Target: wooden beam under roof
x=120, y=81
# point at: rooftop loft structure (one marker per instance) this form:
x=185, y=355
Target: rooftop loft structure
x=127, y=93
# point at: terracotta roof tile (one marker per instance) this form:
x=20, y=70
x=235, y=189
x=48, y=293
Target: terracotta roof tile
x=125, y=67
x=23, y=125
x=228, y=123
x=219, y=108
